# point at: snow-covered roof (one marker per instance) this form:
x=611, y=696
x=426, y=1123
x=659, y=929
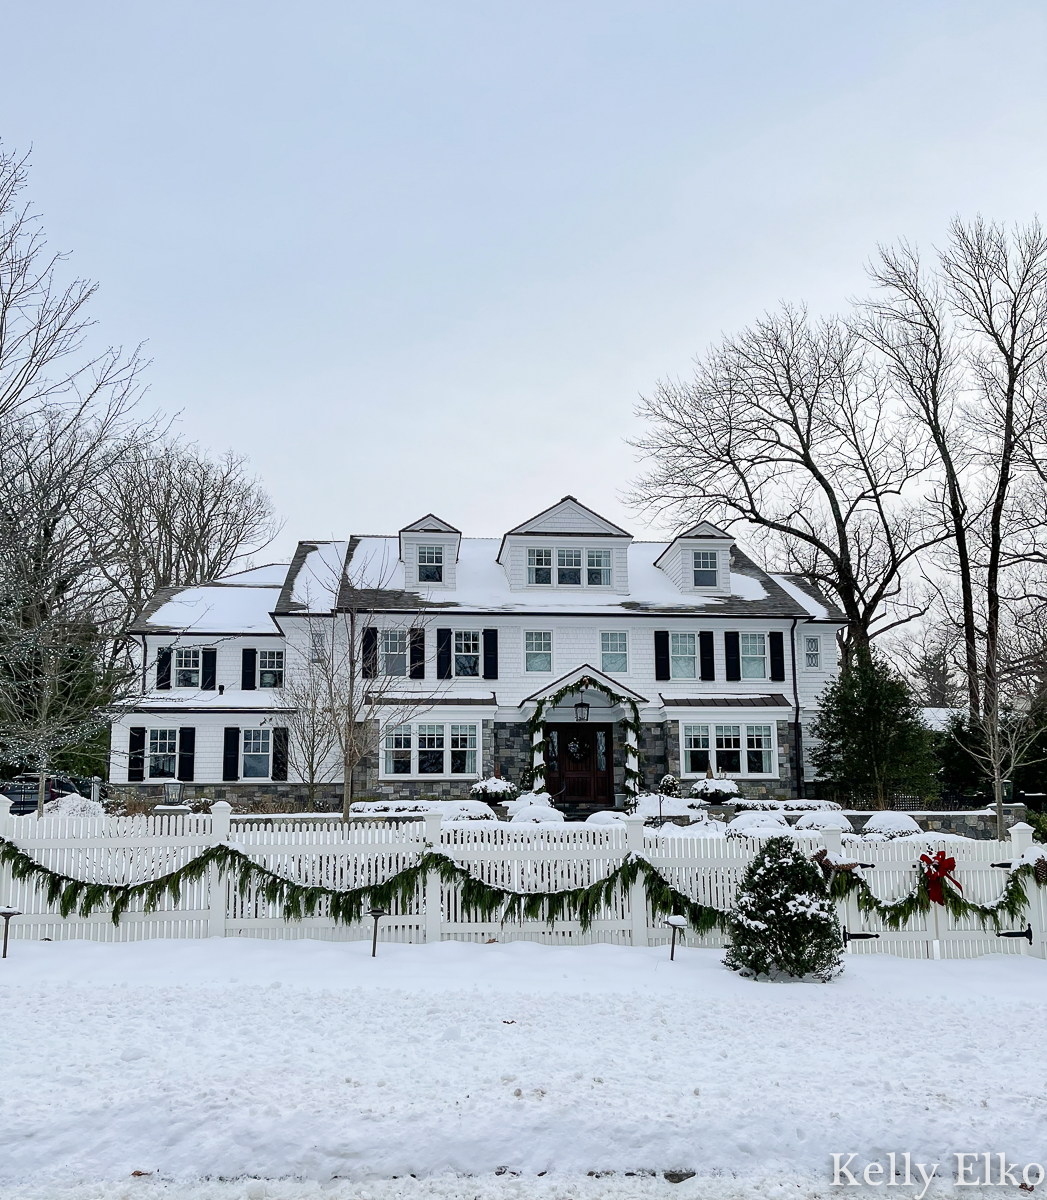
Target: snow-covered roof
x=195, y=700
x=800, y=590
x=238, y=603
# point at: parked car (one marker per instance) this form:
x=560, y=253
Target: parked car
x=23, y=790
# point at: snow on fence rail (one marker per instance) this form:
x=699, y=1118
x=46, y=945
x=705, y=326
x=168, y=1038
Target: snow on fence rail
x=516, y=857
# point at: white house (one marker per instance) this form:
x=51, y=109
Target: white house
x=462, y=641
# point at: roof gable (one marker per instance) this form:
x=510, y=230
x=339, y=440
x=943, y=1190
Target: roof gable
x=430, y=523
x=568, y=518
x=704, y=529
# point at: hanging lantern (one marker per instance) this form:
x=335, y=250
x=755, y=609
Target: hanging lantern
x=581, y=711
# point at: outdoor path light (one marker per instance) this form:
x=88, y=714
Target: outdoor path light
x=7, y=914
x=377, y=913
x=675, y=924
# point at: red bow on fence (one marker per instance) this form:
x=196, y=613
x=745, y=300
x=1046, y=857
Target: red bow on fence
x=938, y=869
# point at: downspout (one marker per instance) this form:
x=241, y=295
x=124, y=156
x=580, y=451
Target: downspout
x=797, y=731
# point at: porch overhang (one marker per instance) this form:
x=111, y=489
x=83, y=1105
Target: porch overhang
x=576, y=676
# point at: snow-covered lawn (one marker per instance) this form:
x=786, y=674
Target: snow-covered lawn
x=297, y=1062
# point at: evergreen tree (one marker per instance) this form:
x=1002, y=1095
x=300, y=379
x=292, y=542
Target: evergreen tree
x=871, y=738
x=783, y=924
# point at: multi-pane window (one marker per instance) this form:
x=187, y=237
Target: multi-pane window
x=729, y=748
x=163, y=750
x=569, y=568
x=812, y=649
x=430, y=564
x=539, y=566
x=398, y=750
x=614, y=652
x=393, y=652
x=753, y=648
x=270, y=668
x=538, y=651
x=598, y=570
x=256, y=753
x=696, y=749
x=467, y=652
x=705, y=568
x=463, y=749
x=430, y=749
x=187, y=668
x=681, y=655
x=317, y=644
x=758, y=749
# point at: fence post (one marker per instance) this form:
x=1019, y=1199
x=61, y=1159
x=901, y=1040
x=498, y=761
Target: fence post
x=433, y=886
x=220, y=813
x=637, y=893
x=1021, y=840
x=833, y=839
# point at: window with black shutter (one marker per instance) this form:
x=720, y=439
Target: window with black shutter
x=417, y=653
x=369, y=648
x=661, y=654
x=209, y=670
x=733, y=654
x=231, y=754
x=135, y=754
x=279, y=772
x=163, y=669
x=490, y=654
x=706, y=662
x=186, y=753
x=248, y=669
x=443, y=654
x=776, y=644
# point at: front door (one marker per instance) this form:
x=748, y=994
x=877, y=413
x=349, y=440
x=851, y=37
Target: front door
x=579, y=763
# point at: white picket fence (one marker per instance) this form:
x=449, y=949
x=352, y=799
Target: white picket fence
x=521, y=858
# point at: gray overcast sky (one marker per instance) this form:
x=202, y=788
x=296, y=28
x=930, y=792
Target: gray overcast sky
x=424, y=256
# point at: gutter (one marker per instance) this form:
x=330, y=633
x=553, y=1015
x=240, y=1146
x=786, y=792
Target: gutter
x=797, y=730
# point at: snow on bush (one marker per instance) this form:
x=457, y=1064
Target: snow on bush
x=494, y=790
x=451, y=810
x=605, y=816
x=716, y=790
x=825, y=820
x=671, y=806
x=669, y=785
x=73, y=805
x=512, y=807
x=788, y=806
x=885, y=826
x=757, y=823
x=536, y=814
x=783, y=924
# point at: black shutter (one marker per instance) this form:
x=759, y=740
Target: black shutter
x=163, y=669
x=490, y=654
x=661, y=654
x=248, y=669
x=231, y=754
x=443, y=654
x=136, y=754
x=186, y=752
x=369, y=667
x=706, y=661
x=209, y=670
x=733, y=654
x=777, y=646
x=279, y=754
x=417, y=653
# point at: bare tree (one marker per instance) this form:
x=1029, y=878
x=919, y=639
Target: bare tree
x=784, y=430
x=305, y=701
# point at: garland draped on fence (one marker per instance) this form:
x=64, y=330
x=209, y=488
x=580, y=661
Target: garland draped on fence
x=298, y=900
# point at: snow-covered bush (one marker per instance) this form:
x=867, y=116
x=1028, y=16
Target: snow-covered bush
x=651, y=806
x=825, y=820
x=450, y=810
x=536, y=814
x=512, y=807
x=73, y=805
x=757, y=823
x=783, y=924
x=788, y=806
x=717, y=791
x=494, y=790
x=885, y=826
x=669, y=785
x=605, y=817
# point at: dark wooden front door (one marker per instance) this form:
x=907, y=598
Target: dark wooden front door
x=579, y=763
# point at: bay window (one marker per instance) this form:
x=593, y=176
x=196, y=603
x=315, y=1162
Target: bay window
x=682, y=656
x=431, y=748
x=753, y=647
x=720, y=748
x=538, y=651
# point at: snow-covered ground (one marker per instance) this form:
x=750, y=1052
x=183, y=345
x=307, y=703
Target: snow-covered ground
x=241, y=1069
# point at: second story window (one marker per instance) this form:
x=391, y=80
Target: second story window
x=614, y=652
x=538, y=651
x=812, y=647
x=317, y=644
x=681, y=656
x=598, y=573
x=753, y=648
x=569, y=568
x=467, y=652
x=187, y=668
x=539, y=566
x=394, y=652
x=705, y=568
x=270, y=668
x=430, y=564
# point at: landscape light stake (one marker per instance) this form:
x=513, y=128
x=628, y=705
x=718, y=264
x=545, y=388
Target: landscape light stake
x=675, y=924
x=7, y=914
x=377, y=913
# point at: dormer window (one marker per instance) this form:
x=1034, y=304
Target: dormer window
x=569, y=568
x=539, y=566
x=430, y=564
x=705, y=568
x=599, y=570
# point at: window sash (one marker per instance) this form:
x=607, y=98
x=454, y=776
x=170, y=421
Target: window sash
x=538, y=651
x=812, y=648
x=430, y=564
x=256, y=753
x=614, y=652
x=696, y=749
x=393, y=652
x=598, y=568
x=704, y=567
x=682, y=655
x=187, y=668
x=731, y=750
x=539, y=566
x=758, y=749
x=463, y=749
x=270, y=668
x=753, y=648
x=569, y=568
x=467, y=652
x=398, y=750
x=163, y=753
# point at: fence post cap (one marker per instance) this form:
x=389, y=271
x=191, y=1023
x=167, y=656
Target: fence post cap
x=221, y=806
x=1020, y=826
x=433, y=822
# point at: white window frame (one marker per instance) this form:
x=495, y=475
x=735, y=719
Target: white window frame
x=398, y=740
x=598, y=561
x=456, y=640
x=534, y=565
x=750, y=640
x=447, y=736
x=430, y=557
x=276, y=666
x=808, y=653
x=701, y=732
x=155, y=752
x=566, y=557
x=392, y=649
x=705, y=556
x=677, y=640
x=621, y=650
x=748, y=730
x=532, y=653
x=256, y=739
x=192, y=655
x=464, y=738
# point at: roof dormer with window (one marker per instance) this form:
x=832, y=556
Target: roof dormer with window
x=699, y=560
x=429, y=551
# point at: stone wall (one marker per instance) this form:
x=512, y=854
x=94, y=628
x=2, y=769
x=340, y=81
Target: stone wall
x=978, y=824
